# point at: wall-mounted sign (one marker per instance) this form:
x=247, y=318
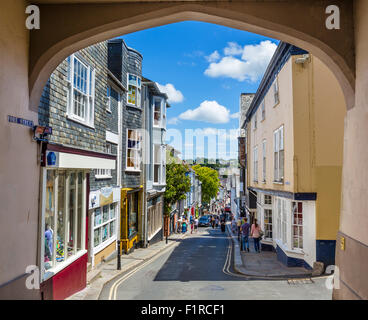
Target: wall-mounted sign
x=52, y=159
x=106, y=196
x=24, y=122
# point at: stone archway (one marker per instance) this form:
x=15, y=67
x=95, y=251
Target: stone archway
x=66, y=28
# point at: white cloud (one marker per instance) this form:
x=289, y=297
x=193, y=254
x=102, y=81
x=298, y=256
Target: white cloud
x=251, y=66
x=235, y=115
x=174, y=120
x=208, y=111
x=233, y=49
x=213, y=57
x=174, y=95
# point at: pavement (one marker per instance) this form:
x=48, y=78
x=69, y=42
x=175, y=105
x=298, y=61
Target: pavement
x=264, y=264
x=107, y=271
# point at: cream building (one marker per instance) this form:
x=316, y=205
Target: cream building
x=295, y=128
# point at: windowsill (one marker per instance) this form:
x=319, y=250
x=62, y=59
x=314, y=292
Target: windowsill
x=51, y=272
x=276, y=104
x=103, y=245
x=264, y=181
x=133, y=170
x=133, y=106
x=79, y=120
x=286, y=249
x=102, y=177
x=109, y=111
x=278, y=182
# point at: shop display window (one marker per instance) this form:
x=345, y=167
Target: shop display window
x=63, y=217
x=133, y=213
x=104, y=224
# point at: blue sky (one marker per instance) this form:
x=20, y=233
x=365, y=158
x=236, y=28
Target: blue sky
x=204, y=68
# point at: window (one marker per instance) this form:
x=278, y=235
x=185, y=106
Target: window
x=157, y=163
x=255, y=121
x=134, y=90
x=132, y=213
x=276, y=92
x=64, y=217
x=264, y=161
x=108, y=102
x=267, y=199
x=104, y=224
x=157, y=112
x=278, y=136
x=81, y=91
x=255, y=164
x=284, y=221
x=268, y=223
x=134, y=149
x=297, y=225
x=104, y=173
x=263, y=110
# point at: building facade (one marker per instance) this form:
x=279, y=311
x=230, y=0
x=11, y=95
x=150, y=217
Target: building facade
x=294, y=157
x=74, y=104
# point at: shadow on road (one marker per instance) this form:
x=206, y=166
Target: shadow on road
x=199, y=257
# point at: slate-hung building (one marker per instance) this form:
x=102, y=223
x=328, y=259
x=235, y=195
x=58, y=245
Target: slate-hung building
x=78, y=172
x=155, y=104
x=126, y=65
x=294, y=157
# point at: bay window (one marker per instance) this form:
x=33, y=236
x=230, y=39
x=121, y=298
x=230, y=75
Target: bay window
x=134, y=149
x=157, y=112
x=297, y=224
x=157, y=163
x=134, y=90
x=63, y=218
x=278, y=138
x=81, y=91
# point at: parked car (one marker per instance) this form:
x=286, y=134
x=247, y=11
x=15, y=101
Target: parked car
x=204, y=221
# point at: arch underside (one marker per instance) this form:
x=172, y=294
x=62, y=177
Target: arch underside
x=96, y=23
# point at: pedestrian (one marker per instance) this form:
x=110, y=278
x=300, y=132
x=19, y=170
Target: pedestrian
x=217, y=222
x=213, y=222
x=256, y=234
x=196, y=224
x=191, y=224
x=239, y=223
x=184, y=227
x=245, y=235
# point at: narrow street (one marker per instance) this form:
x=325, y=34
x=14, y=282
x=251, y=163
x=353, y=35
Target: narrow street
x=199, y=267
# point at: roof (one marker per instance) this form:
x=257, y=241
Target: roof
x=282, y=54
x=155, y=89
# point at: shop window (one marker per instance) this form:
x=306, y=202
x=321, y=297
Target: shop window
x=297, y=225
x=81, y=91
x=267, y=199
x=132, y=214
x=63, y=217
x=134, y=149
x=104, y=224
x=134, y=90
x=268, y=223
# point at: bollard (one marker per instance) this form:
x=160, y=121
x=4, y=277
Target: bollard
x=167, y=240
x=119, y=256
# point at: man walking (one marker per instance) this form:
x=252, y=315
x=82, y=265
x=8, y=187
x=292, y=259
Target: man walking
x=245, y=234
x=239, y=223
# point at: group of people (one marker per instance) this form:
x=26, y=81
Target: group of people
x=245, y=231
x=182, y=226
x=215, y=222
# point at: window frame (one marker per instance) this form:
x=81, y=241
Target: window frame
x=138, y=87
x=138, y=151
x=276, y=92
x=255, y=164
x=279, y=148
x=111, y=238
x=88, y=119
x=295, y=205
x=264, y=150
x=263, y=110
x=57, y=267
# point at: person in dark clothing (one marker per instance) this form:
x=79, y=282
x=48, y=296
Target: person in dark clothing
x=245, y=234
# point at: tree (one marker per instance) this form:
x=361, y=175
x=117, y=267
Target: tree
x=177, y=183
x=210, y=182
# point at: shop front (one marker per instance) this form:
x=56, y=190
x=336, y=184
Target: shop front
x=131, y=204
x=154, y=219
x=104, y=208
x=63, y=219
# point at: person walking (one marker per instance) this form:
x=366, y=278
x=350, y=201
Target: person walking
x=196, y=224
x=213, y=222
x=256, y=234
x=245, y=235
x=239, y=223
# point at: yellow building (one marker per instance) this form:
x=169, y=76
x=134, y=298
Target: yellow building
x=294, y=128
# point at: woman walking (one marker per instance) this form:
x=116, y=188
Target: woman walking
x=256, y=234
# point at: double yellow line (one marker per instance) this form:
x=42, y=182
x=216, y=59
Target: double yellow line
x=115, y=286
